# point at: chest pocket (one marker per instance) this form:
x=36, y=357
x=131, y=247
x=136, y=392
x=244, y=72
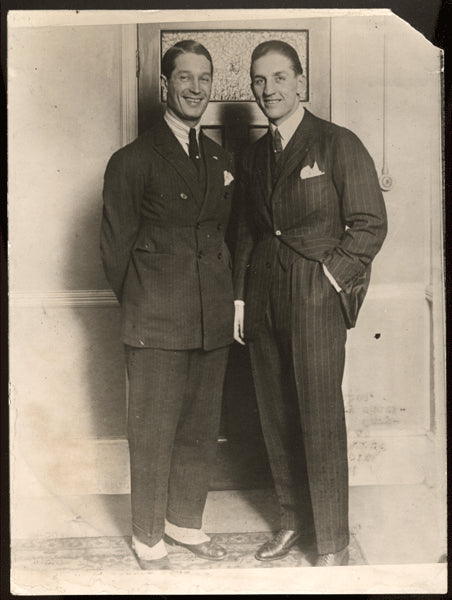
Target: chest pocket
x=315, y=187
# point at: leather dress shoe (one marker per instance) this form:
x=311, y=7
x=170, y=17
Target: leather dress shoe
x=334, y=559
x=209, y=550
x=279, y=546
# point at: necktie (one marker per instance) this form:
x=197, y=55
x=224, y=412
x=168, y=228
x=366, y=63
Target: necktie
x=193, y=150
x=277, y=144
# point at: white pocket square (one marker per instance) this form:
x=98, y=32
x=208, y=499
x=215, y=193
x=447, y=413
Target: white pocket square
x=308, y=171
x=228, y=177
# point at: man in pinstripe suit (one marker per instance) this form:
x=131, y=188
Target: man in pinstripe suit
x=166, y=206
x=313, y=219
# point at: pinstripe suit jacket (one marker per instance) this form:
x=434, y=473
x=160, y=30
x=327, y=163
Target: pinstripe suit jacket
x=337, y=217
x=162, y=243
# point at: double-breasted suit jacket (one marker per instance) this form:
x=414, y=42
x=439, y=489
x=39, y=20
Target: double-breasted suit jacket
x=162, y=243
x=323, y=203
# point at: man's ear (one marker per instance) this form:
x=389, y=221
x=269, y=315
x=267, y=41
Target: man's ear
x=299, y=84
x=164, y=82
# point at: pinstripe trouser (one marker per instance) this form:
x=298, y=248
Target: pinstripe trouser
x=298, y=363
x=173, y=421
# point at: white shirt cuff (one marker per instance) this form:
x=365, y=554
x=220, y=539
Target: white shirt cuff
x=331, y=279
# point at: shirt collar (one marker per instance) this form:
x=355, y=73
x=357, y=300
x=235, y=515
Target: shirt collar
x=180, y=129
x=289, y=126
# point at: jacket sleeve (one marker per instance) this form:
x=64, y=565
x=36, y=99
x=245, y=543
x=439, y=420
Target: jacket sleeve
x=363, y=210
x=122, y=195
x=245, y=238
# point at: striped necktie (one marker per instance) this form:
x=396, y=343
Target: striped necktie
x=277, y=144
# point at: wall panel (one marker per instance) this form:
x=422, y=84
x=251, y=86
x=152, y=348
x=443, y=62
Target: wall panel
x=67, y=115
x=64, y=115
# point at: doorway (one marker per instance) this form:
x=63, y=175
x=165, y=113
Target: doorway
x=233, y=120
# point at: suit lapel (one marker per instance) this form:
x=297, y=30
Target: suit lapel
x=296, y=149
x=262, y=167
x=214, y=171
x=166, y=144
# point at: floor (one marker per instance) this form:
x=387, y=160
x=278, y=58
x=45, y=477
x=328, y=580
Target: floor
x=80, y=545
x=389, y=524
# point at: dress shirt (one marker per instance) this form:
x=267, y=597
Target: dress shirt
x=180, y=130
x=289, y=126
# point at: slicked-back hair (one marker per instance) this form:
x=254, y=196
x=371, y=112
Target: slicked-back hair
x=277, y=47
x=183, y=47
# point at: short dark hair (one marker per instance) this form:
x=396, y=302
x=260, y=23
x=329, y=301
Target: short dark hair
x=183, y=47
x=277, y=47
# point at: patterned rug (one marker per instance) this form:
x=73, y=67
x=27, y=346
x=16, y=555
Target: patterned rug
x=114, y=553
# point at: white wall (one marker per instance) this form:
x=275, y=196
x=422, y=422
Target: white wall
x=67, y=371
x=388, y=381
x=64, y=85
x=66, y=365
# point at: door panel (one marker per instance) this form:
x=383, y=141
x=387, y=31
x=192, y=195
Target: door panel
x=234, y=123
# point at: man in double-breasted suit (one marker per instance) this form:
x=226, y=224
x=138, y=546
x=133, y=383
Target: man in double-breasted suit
x=313, y=219
x=166, y=207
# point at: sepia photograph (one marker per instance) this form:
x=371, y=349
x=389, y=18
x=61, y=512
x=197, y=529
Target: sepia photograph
x=226, y=303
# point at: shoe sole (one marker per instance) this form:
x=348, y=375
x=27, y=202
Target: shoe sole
x=344, y=561
x=172, y=542
x=294, y=543
x=273, y=557
x=150, y=565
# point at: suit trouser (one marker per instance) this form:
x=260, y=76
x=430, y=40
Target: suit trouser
x=298, y=363
x=173, y=422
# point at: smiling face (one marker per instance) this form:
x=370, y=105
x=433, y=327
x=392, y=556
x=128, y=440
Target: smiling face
x=276, y=86
x=188, y=87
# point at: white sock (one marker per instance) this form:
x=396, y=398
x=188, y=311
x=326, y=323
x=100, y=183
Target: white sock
x=186, y=535
x=146, y=552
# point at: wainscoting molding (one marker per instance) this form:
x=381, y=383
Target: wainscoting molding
x=68, y=298
x=401, y=452
x=62, y=298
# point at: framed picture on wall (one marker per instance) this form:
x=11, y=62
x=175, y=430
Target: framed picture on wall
x=231, y=54
x=232, y=104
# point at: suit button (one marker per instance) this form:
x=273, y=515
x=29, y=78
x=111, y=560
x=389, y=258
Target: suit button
x=198, y=225
x=183, y=196
x=268, y=265
x=219, y=226
x=277, y=232
x=200, y=254
x=220, y=255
